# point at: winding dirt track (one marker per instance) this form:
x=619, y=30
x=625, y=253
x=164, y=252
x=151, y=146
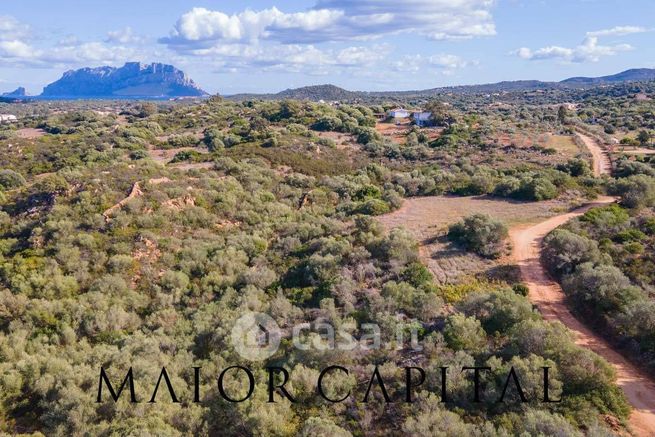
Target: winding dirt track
x=548, y=296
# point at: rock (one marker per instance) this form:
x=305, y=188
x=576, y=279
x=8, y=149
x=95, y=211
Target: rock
x=18, y=92
x=134, y=79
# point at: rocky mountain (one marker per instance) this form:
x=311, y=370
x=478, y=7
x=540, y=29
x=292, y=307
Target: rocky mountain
x=18, y=92
x=134, y=79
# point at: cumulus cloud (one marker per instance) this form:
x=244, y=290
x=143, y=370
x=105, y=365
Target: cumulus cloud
x=290, y=57
x=619, y=31
x=12, y=30
x=589, y=51
x=336, y=20
x=448, y=61
x=19, y=48
x=123, y=36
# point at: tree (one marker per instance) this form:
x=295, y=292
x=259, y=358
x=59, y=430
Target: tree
x=433, y=420
x=465, y=333
x=562, y=113
x=320, y=427
x=644, y=138
x=440, y=115
x=481, y=234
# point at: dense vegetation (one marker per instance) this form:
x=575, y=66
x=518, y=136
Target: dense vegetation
x=606, y=264
x=135, y=236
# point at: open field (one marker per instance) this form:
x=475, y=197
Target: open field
x=563, y=144
x=428, y=218
x=395, y=132
x=30, y=133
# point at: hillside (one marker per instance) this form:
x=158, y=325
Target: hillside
x=633, y=75
x=332, y=92
x=134, y=79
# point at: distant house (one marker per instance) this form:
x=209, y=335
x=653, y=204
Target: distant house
x=399, y=113
x=8, y=118
x=422, y=118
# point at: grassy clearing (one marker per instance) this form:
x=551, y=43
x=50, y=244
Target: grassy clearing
x=428, y=218
x=563, y=144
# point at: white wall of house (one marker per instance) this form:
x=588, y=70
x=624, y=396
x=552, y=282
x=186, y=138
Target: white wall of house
x=8, y=118
x=399, y=113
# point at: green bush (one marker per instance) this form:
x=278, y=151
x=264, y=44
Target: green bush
x=481, y=234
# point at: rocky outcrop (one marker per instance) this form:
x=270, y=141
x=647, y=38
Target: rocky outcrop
x=134, y=79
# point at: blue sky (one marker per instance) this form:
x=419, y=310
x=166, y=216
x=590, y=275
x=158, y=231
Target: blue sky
x=267, y=46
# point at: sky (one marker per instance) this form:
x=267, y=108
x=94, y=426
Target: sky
x=229, y=47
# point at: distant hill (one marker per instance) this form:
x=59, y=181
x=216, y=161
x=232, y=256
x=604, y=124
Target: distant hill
x=314, y=93
x=633, y=75
x=331, y=92
x=18, y=92
x=317, y=92
x=134, y=79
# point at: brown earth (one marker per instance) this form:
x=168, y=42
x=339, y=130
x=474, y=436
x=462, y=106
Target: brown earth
x=30, y=133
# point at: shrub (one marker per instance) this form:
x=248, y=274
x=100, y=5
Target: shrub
x=365, y=135
x=564, y=251
x=635, y=191
x=537, y=189
x=575, y=167
x=604, y=287
x=507, y=187
x=10, y=179
x=212, y=139
x=138, y=154
x=479, y=233
x=521, y=289
x=625, y=168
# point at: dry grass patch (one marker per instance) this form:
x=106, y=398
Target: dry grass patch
x=428, y=218
x=564, y=144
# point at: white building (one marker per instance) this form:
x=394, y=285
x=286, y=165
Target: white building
x=8, y=118
x=399, y=113
x=422, y=118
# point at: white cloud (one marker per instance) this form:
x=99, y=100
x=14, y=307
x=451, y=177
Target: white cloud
x=446, y=63
x=589, y=51
x=619, y=31
x=335, y=20
x=271, y=38
x=123, y=36
x=17, y=48
x=12, y=30
x=304, y=58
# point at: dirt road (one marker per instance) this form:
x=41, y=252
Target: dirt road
x=548, y=296
x=602, y=164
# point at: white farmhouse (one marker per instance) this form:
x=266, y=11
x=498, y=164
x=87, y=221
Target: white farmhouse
x=422, y=118
x=399, y=113
x=8, y=118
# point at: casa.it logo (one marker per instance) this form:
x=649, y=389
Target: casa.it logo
x=256, y=336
